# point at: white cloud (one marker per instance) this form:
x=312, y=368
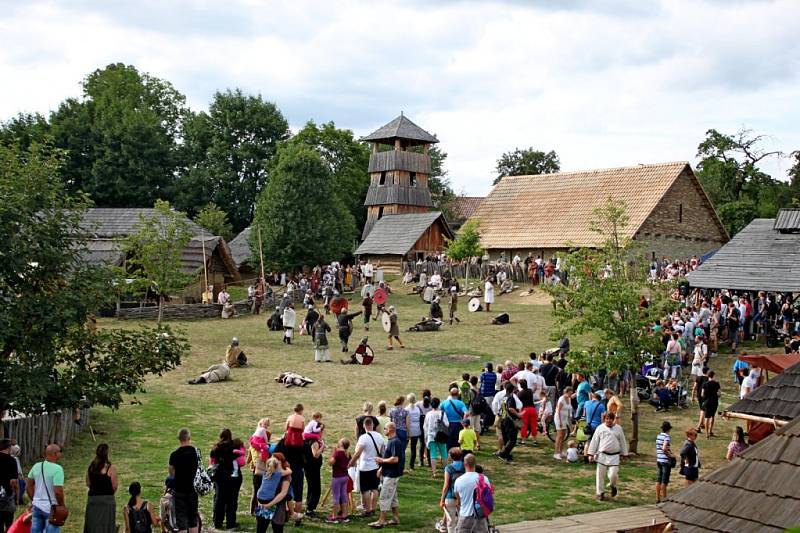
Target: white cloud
x=602, y=83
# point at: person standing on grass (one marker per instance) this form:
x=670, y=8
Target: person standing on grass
x=433, y=420
x=607, y=446
x=394, y=328
x=455, y=411
x=402, y=420
x=101, y=480
x=467, y=438
x=183, y=464
x=369, y=447
x=9, y=485
x=509, y=414
x=563, y=421
x=313, y=448
x=226, y=489
x=690, y=457
x=424, y=407
x=416, y=417
x=322, y=352
x=710, y=397
x=293, y=448
x=464, y=492
x=339, y=460
x=488, y=381
x=664, y=458
x=391, y=469
x=488, y=294
x=448, y=501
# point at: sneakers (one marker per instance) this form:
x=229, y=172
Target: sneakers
x=558, y=457
x=439, y=526
x=332, y=519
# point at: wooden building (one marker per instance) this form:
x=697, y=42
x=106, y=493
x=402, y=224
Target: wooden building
x=242, y=256
x=110, y=226
x=400, y=224
x=542, y=215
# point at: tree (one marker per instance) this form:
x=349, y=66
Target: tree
x=121, y=137
x=347, y=160
x=303, y=221
x=49, y=359
x=154, y=253
x=729, y=172
x=602, y=297
x=227, y=154
x=442, y=193
x=465, y=246
x=214, y=220
x=24, y=130
x=527, y=162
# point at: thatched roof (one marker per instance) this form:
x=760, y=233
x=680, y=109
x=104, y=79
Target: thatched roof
x=396, y=234
x=758, y=258
x=777, y=398
x=551, y=210
x=401, y=128
x=759, y=491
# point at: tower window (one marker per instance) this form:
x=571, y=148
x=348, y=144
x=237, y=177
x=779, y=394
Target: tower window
x=413, y=179
x=383, y=179
x=380, y=212
x=680, y=213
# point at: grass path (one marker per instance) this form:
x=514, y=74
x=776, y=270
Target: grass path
x=142, y=432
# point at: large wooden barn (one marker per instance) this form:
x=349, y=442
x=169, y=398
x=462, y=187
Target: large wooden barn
x=666, y=206
x=110, y=226
x=400, y=223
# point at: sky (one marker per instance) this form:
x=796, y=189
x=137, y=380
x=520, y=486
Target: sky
x=603, y=83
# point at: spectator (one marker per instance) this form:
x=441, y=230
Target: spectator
x=183, y=464
x=139, y=513
x=9, y=487
x=607, y=446
x=737, y=444
x=664, y=461
x=464, y=491
x=45, y=488
x=455, y=411
x=448, y=501
x=391, y=469
x=710, y=396
x=226, y=488
x=339, y=481
x=101, y=508
x=509, y=411
x=662, y=399
x=369, y=447
x=467, y=438
x=431, y=427
x=690, y=457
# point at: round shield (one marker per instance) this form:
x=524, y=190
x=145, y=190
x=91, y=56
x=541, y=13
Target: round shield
x=474, y=304
x=380, y=296
x=338, y=305
x=366, y=358
x=386, y=322
x=428, y=294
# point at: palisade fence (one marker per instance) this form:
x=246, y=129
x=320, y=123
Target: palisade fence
x=35, y=432
x=476, y=271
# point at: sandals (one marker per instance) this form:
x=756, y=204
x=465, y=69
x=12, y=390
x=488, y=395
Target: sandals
x=378, y=525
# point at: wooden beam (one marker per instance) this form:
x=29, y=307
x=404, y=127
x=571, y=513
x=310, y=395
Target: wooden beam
x=752, y=418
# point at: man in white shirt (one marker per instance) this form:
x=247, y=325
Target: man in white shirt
x=368, y=271
x=531, y=377
x=749, y=383
x=367, y=289
x=435, y=281
x=369, y=447
x=464, y=490
x=608, y=444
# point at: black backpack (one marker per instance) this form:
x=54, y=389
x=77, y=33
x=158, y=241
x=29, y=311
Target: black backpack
x=139, y=519
x=477, y=403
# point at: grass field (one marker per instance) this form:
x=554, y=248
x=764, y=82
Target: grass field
x=142, y=432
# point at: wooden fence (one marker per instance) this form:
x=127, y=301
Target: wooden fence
x=34, y=433
x=476, y=271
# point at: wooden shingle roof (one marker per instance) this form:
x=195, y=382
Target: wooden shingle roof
x=759, y=491
x=118, y=222
x=777, y=398
x=401, y=128
x=464, y=207
x=396, y=234
x=787, y=220
x=758, y=258
x=550, y=210
x=240, y=247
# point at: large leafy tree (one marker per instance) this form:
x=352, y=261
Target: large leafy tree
x=120, y=136
x=49, y=359
x=347, y=160
x=601, y=298
x=214, y=220
x=227, y=154
x=465, y=246
x=302, y=221
x=729, y=172
x=526, y=162
x=23, y=130
x=794, y=179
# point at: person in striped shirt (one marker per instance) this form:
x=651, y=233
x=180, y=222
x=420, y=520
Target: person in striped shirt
x=664, y=458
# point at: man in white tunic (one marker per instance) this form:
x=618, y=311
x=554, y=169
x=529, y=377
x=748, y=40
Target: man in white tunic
x=608, y=444
x=488, y=294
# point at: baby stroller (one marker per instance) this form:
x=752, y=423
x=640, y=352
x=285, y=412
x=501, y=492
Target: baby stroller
x=644, y=387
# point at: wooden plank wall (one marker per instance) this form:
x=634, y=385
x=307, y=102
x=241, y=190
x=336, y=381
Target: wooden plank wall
x=34, y=433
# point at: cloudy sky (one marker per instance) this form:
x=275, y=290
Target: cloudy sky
x=601, y=82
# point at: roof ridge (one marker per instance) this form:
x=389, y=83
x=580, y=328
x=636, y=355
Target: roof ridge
x=597, y=170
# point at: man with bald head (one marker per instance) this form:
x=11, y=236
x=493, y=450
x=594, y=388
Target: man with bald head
x=45, y=488
x=455, y=410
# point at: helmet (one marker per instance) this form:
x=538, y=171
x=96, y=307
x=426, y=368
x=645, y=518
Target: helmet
x=235, y=341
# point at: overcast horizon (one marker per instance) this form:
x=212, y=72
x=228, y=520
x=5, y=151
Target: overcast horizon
x=603, y=83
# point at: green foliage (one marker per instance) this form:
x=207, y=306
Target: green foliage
x=24, y=130
x=227, y=153
x=729, y=173
x=602, y=296
x=120, y=137
x=794, y=179
x=303, y=221
x=154, y=253
x=48, y=360
x=347, y=160
x=214, y=220
x=467, y=243
x=527, y=162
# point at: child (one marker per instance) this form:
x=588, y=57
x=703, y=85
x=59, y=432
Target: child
x=260, y=439
x=572, y=451
x=139, y=514
x=544, y=408
x=314, y=428
x=339, y=484
x=467, y=438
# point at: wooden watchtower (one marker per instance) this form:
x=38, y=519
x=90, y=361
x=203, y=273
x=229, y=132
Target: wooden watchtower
x=398, y=171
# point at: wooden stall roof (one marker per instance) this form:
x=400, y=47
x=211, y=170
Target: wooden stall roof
x=758, y=258
x=396, y=234
x=759, y=491
x=192, y=257
x=400, y=128
x=787, y=220
x=600, y=522
x=777, y=398
x=240, y=247
x=550, y=210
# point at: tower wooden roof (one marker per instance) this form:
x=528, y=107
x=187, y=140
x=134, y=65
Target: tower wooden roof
x=401, y=128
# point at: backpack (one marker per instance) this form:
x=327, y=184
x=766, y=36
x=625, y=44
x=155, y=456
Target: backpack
x=166, y=508
x=466, y=391
x=483, y=498
x=441, y=430
x=139, y=519
x=476, y=404
x=454, y=475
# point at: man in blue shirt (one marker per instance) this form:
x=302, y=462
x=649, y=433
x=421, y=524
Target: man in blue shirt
x=594, y=410
x=391, y=464
x=583, y=390
x=455, y=410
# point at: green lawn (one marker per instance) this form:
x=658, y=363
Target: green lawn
x=142, y=432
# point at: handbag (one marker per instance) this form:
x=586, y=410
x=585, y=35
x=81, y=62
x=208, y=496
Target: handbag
x=673, y=462
x=58, y=513
x=202, y=481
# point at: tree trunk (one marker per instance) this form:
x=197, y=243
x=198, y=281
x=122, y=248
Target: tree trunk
x=160, y=309
x=634, y=397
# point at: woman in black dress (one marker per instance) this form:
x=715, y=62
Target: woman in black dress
x=101, y=479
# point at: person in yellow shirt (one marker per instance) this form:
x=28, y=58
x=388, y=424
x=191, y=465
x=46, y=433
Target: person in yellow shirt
x=467, y=438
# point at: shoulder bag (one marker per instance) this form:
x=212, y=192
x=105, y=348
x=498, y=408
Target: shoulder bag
x=58, y=513
x=202, y=481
